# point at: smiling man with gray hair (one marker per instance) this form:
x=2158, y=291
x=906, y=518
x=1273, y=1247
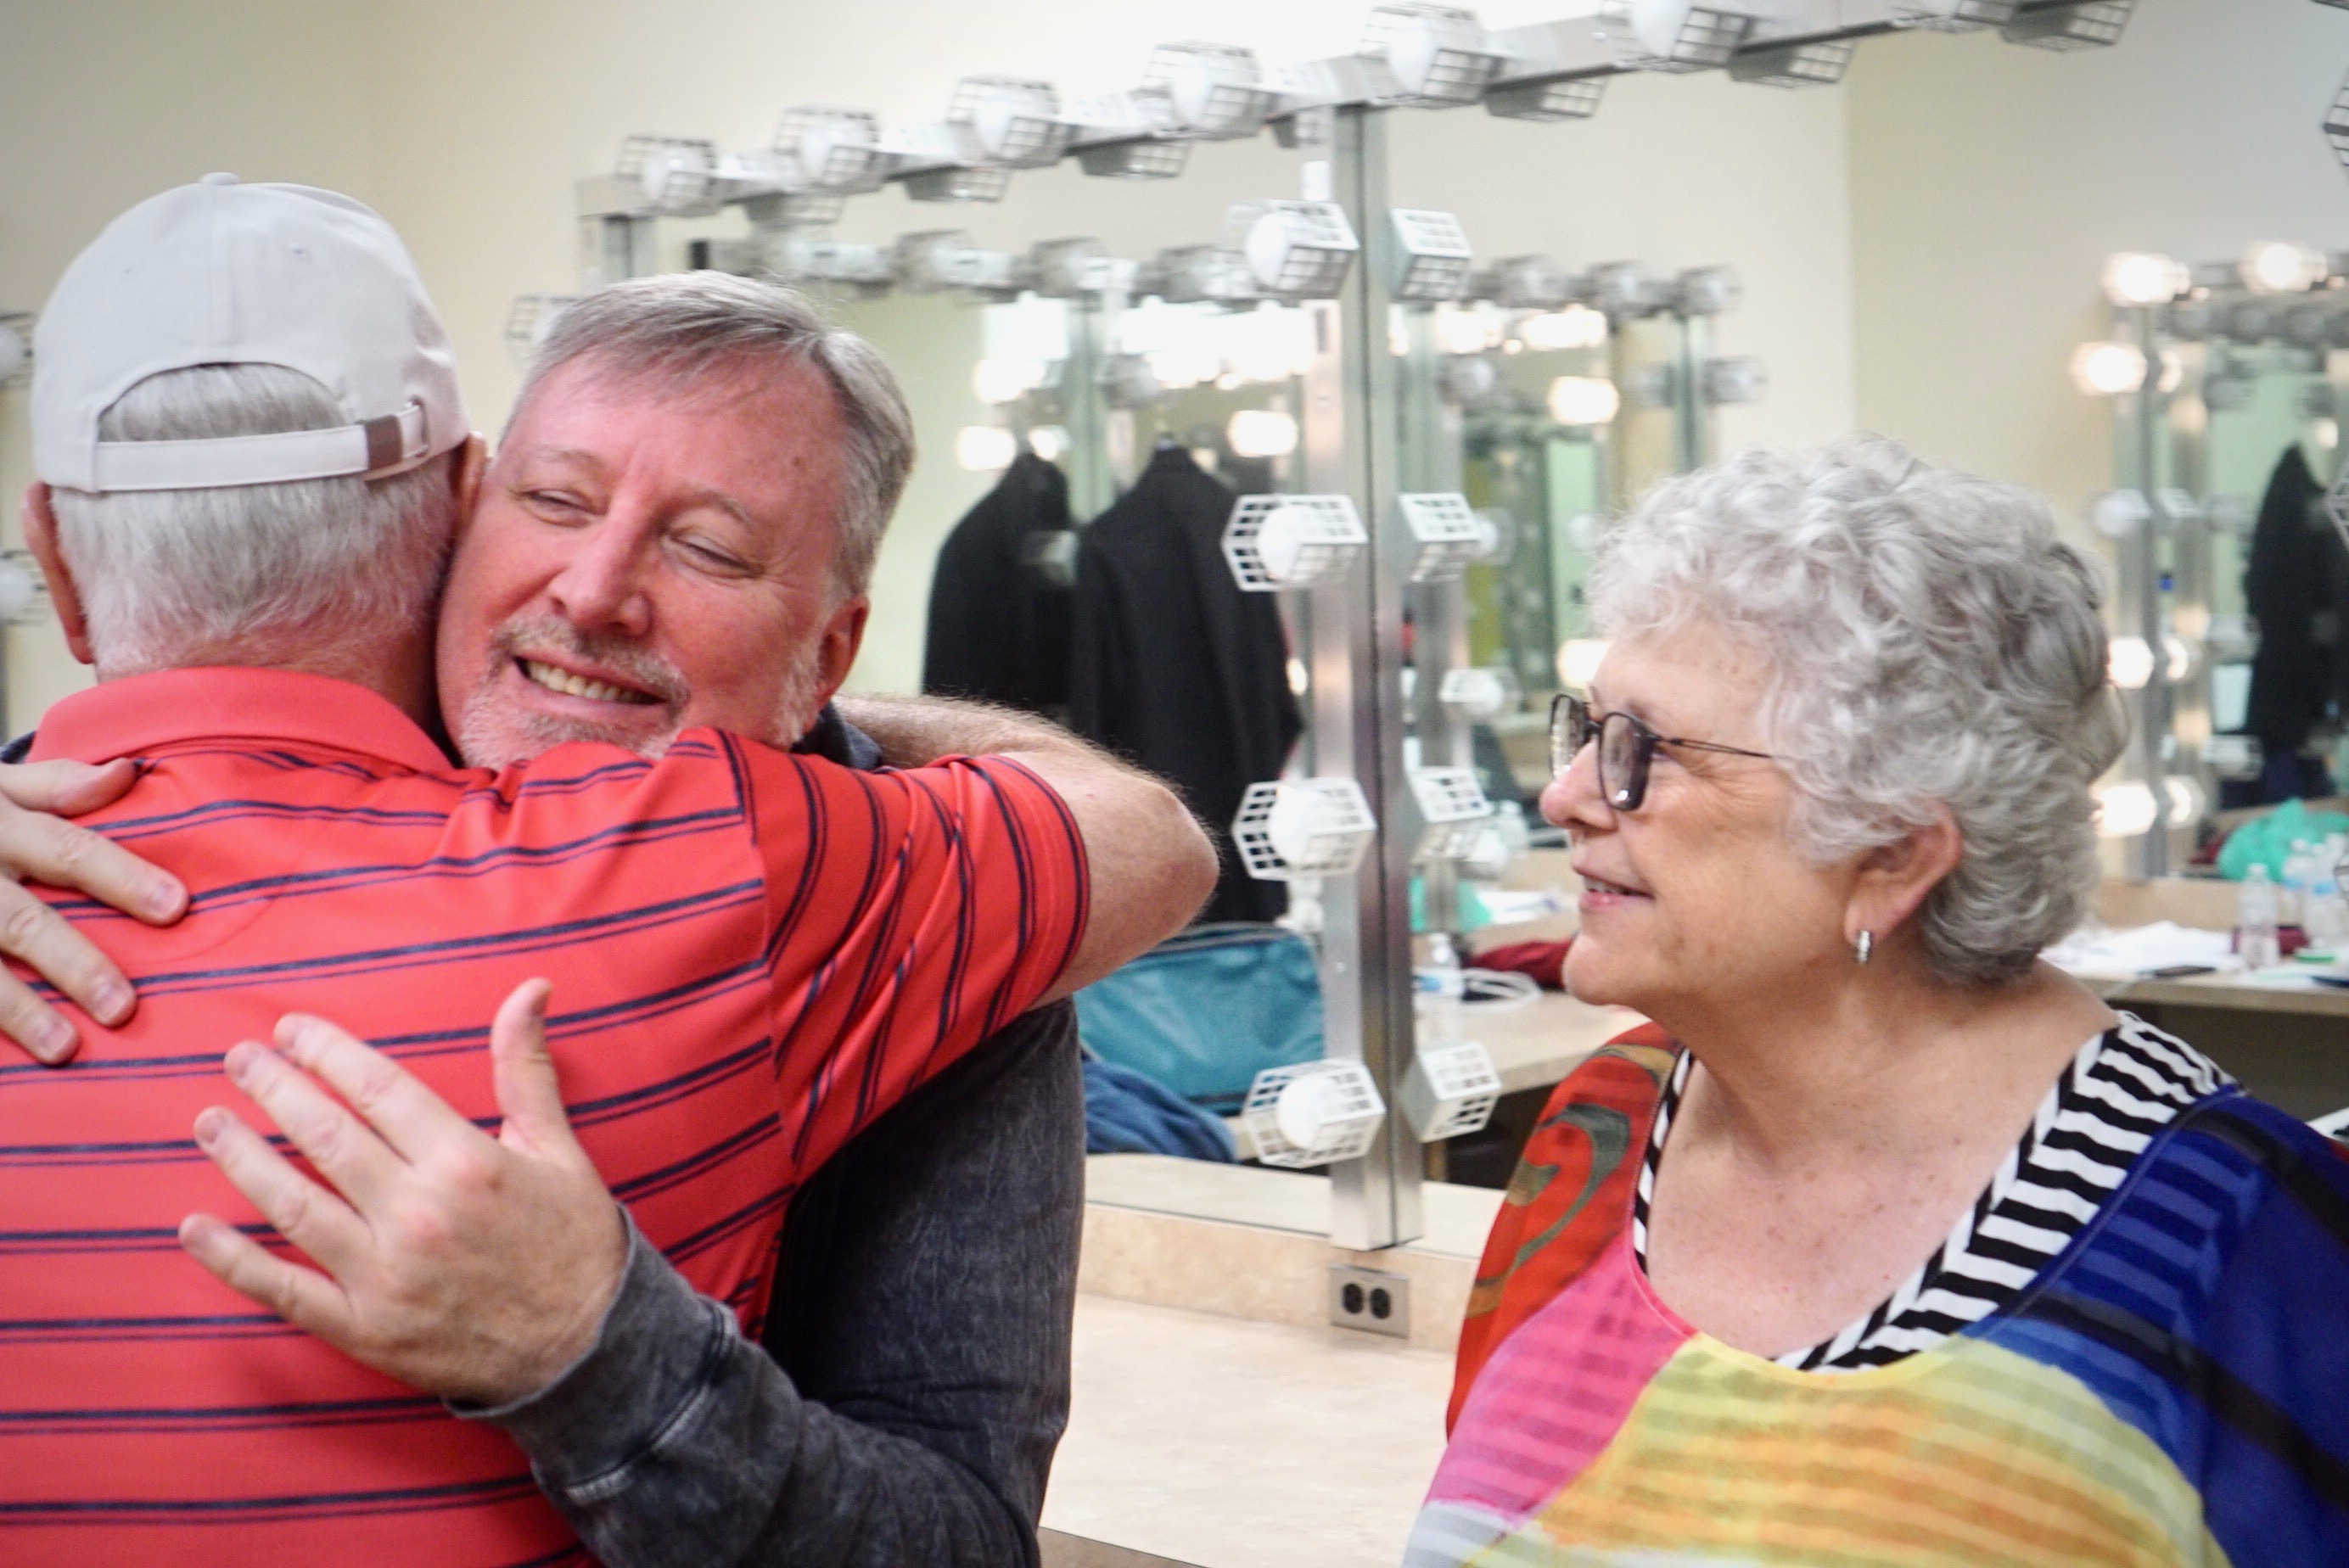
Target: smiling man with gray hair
x=753, y=954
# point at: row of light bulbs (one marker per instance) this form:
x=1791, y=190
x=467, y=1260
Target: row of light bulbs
x=2273, y=271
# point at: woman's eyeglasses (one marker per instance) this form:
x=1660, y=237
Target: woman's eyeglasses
x=1627, y=749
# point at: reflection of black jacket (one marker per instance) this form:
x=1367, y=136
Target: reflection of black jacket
x=998, y=628
x=2291, y=585
x=1177, y=668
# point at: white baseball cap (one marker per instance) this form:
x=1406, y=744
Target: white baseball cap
x=223, y=273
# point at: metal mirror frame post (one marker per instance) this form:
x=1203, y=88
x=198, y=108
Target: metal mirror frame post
x=2140, y=561
x=1356, y=660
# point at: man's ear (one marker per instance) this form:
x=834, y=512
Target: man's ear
x=1895, y=879
x=465, y=477
x=838, y=642
x=41, y=538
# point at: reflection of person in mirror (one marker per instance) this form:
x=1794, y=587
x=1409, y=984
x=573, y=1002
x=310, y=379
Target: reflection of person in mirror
x=753, y=954
x=1885, y=1242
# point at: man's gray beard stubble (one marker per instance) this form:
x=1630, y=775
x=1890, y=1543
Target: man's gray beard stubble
x=486, y=738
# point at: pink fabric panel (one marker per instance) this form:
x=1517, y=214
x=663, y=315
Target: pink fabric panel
x=1556, y=1391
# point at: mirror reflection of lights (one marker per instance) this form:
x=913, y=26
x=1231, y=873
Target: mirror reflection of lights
x=1464, y=329
x=2130, y=662
x=985, y=448
x=2124, y=810
x=1584, y=400
x=1556, y=331
x=2109, y=370
x=2186, y=800
x=2325, y=433
x=1049, y=442
x=2141, y=278
x=1577, y=662
x=998, y=381
x=2178, y=658
x=2282, y=267
x=1262, y=433
x=1299, y=681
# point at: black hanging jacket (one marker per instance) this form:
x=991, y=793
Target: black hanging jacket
x=2290, y=584
x=998, y=627
x=1173, y=667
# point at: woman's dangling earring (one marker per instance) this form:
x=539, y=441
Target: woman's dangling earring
x=1864, y=947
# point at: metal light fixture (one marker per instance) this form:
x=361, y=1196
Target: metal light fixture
x=16, y=344
x=1438, y=55
x=1801, y=63
x=528, y=321
x=674, y=174
x=1012, y=122
x=834, y=149
x=2141, y=278
x=1625, y=289
x=820, y=258
x=1709, y=291
x=1197, y=274
x=1740, y=379
x=937, y=259
x=1295, y=828
x=2283, y=267
x=1316, y=1113
x=1674, y=34
x=1953, y=16
x=1452, y=808
x=1216, y=92
x=1129, y=136
x=1447, y=537
x=1548, y=102
x=1449, y=1090
x=1276, y=542
x=942, y=162
x=1293, y=250
x=2082, y=24
x=1480, y=694
x=1430, y=258
x=2109, y=370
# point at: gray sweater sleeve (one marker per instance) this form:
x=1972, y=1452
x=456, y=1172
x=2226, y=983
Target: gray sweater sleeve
x=919, y=1375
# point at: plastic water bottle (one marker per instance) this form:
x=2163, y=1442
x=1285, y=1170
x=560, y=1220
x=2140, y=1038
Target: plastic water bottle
x=2255, y=922
x=2322, y=913
x=1441, y=988
x=2297, y=866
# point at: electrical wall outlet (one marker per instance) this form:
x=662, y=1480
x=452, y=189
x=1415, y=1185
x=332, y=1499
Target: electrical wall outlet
x=1371, y=1300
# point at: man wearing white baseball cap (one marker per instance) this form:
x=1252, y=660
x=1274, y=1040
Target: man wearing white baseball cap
x=255, y=587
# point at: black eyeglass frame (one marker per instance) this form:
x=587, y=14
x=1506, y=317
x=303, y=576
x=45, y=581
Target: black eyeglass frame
x=1572, y=720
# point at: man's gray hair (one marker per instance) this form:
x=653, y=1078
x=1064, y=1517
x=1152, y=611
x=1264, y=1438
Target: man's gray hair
x=1928, y=641
x=683, y=329
x=248, y=575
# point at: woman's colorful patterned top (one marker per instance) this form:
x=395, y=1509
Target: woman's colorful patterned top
x=2172, y=1388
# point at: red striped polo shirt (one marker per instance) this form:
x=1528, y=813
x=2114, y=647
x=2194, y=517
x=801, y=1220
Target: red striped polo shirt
x=752, y=953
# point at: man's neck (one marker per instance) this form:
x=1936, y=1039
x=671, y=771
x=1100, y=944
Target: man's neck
x=398, y=670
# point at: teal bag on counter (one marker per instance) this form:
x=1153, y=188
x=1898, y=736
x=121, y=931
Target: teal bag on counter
x=2267, y=840
x=1203, y=1013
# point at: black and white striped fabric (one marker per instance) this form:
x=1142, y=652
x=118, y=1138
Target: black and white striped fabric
x=2123, y=1088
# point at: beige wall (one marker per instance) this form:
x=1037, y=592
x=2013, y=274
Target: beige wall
x=1991, y=182
x=104, y=102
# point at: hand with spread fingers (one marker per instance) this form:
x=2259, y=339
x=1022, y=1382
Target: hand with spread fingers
x=477, y=1268
x=38, y=844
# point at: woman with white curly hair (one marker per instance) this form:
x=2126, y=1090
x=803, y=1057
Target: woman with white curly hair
x=1886, y=1243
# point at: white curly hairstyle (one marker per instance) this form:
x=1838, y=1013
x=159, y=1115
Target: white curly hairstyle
x=1929, y=640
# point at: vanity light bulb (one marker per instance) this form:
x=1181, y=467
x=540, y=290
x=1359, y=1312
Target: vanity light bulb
x=1462, y=329
x=2186, y=800
x=1049, y=443
x=1577, y=662
x=2109, y=370
x=1584, y=400
x=2281, y=267
x=986, y=448
x=2140, y=278
x=2125, y=810
x=999, y=381
x=1262, y=433
x=1557, y=330
x=2129, y=663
